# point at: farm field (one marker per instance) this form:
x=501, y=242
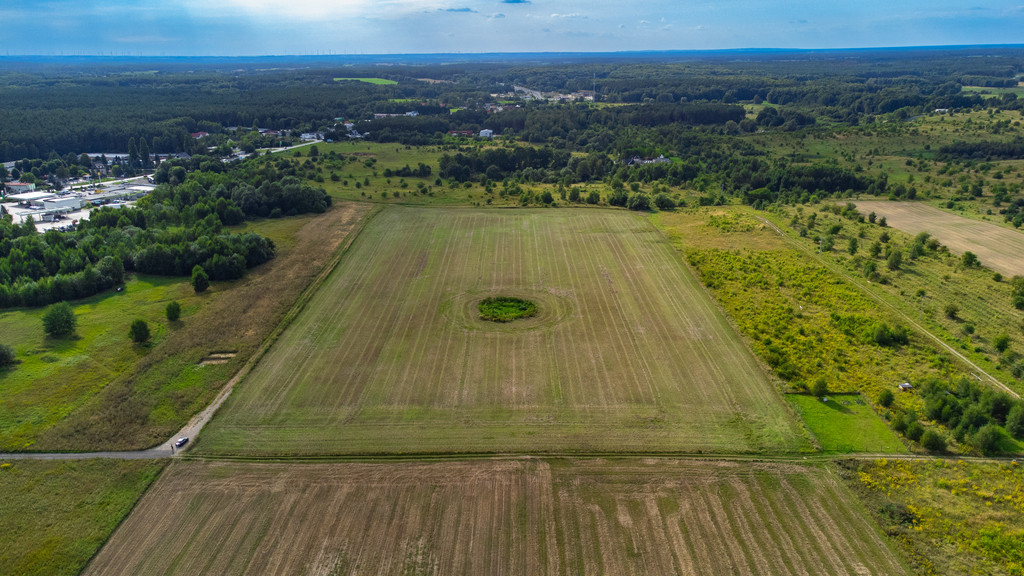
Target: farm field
x=998, y=248
x=522, y=516
x=626, y=353
x=846, y=423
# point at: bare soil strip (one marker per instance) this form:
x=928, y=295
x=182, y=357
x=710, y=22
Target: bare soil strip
x=509, y=517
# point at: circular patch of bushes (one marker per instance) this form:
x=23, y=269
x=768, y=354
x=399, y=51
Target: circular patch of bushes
x=506, y=309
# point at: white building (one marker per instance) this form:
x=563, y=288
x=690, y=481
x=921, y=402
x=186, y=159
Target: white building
x=486, y=133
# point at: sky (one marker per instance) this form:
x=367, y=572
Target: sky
x=304, y=27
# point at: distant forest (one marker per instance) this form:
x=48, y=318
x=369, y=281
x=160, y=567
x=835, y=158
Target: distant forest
x=73, y=106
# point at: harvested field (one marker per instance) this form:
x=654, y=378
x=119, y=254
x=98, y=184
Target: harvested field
x=499, y=517
x=998, y=248
x=626, y=353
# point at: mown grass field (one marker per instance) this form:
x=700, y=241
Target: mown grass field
x=627, y=352
x=54, y=515
x=498, y=517
x=1000, y=249
x=950, y=517
x=846, y=423
x=378, y=81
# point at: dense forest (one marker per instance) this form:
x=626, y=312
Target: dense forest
x=98, y=106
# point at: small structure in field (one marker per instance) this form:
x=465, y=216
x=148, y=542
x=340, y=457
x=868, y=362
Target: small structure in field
x=906, y=387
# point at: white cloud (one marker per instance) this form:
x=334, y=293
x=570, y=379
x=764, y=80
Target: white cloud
x=314, y=10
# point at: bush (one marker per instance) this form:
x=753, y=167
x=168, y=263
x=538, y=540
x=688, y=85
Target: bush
x=663, y=202
x=1001, y=342
x=988, y=439
x=139, y=331
x=7, y=355
x=173, y=311
x=59, y=320
x=1015, y=421
x=933, y=441
x=820, y=387
x=914, y=431
x=952, y=310
x=970, y=260
x=639, y=202
x=886, y=398
x=200, y=281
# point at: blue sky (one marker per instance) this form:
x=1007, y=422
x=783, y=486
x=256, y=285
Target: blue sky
x=264, y=27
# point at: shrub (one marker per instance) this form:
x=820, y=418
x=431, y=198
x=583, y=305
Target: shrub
x=820, y=387
x=970, y=260
x=886, y=398
x=663, y=202
x=7, y=355
x=988, y=439
x=1001, y=342
x=59, y=320
x=139, y=331
x=933, y=441
x=200, y=281
x=173, y=311
x=914, y=431
x=1015, y=421
x=638, y=202
x=951, y=310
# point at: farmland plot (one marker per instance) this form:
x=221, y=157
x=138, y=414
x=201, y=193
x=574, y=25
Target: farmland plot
x=626, y=352
x=506, y=517
x=998, y=248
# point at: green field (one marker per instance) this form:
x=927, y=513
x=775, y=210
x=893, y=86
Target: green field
x=58, y=376
x=626, y=353
x=846, y=423
x=523, y=516
x=377, y=81
x=54, y=515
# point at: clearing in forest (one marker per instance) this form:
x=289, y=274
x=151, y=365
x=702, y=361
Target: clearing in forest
x=999, y=249
x=521, y=516
x=626, y=352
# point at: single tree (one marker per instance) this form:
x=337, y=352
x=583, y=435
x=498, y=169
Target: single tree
x=200, y=280
x=173, y=311
x=7, y=355
x=59, y=320
x=852, y=246
x=139, y=331
x=952, y=310
x=895, y=260
x=970, y=260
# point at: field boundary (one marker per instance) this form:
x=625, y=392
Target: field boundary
x=293, y=312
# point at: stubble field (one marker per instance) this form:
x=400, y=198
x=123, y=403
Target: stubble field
x=627, y=352
x=500, y=517
x=998, y=248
